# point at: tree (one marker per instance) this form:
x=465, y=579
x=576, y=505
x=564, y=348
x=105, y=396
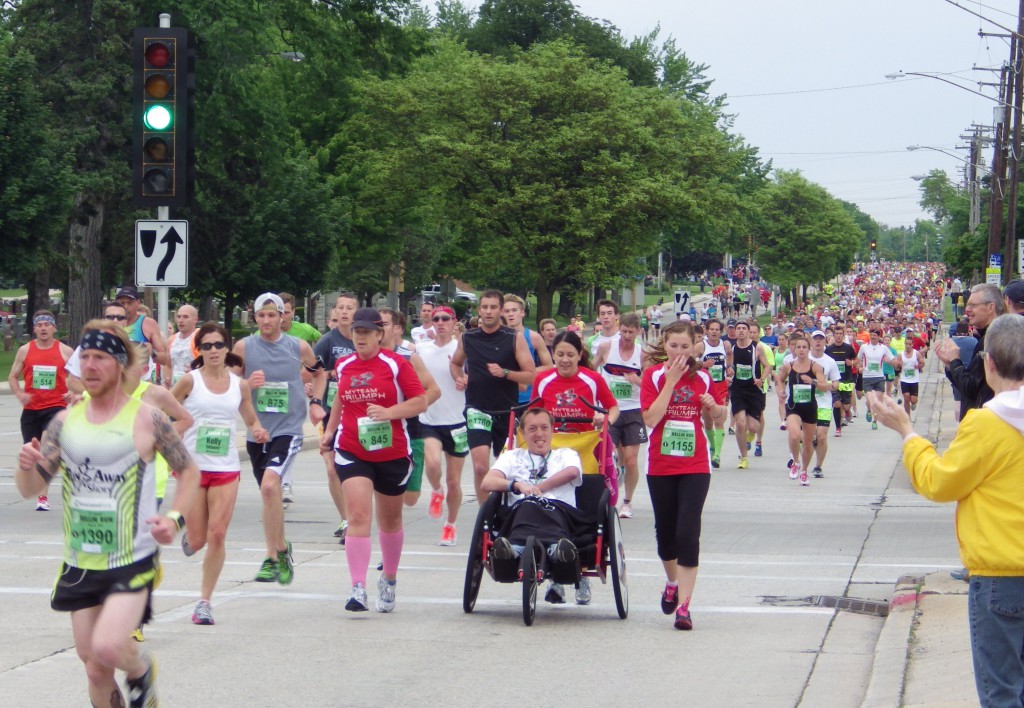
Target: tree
x=35, y=179
x=804, y=235
x=552, y=170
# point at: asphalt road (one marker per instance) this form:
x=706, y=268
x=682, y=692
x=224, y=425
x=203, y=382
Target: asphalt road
x=770, y=549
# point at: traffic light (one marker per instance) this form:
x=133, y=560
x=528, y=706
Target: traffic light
x=163, y=97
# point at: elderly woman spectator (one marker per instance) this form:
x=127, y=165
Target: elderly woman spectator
x=983, y=471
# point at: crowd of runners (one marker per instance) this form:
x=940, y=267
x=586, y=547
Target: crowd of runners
x=127, y=409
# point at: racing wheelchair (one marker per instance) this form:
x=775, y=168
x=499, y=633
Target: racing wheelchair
x=594, y=530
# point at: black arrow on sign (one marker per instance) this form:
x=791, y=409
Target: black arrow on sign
x=172, y=239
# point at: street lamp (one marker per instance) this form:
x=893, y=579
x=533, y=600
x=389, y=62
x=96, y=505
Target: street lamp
x=904, y=74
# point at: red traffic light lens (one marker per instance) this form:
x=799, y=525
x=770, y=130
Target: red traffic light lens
x=158, y=55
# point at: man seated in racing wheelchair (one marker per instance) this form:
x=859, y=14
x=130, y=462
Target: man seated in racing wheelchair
x=541, y=482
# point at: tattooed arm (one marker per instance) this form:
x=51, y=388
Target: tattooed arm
x=167, y=442
x=39, y=462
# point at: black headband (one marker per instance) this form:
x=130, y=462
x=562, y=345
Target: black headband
x=104, y=342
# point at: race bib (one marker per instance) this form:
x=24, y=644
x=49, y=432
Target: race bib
x=44, y=378
x=717, y=373
x=801, y=393
x=94, y=525
x=744, y=372
x=841, y=365
x=460, y=436
x=621, y=388
x=332, y=393
x=374, y=434
x=678, y=438
x=874, y=368
x=478, y=420
x=213, y=439
x=272, y=397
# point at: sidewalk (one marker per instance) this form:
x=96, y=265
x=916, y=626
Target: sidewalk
x=923, y=654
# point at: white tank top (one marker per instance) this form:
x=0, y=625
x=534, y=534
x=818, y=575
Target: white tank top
x=627, y=394
x=211, y=439
x=717, y=355
x=910, y=374
x=181, y=356
x=450, y=408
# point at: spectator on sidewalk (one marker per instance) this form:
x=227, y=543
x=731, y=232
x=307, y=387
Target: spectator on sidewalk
x=981, y=471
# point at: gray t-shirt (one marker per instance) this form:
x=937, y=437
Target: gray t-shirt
x=281, y=402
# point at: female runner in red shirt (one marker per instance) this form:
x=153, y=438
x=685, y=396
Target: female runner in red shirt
x=562, y=388
x=377, y=390
x=673, y=395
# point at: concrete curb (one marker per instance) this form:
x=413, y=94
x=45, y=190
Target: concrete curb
x=889, y=668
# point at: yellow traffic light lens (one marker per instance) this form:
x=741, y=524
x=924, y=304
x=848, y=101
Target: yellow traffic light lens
x=157, y=117
x=157, y=86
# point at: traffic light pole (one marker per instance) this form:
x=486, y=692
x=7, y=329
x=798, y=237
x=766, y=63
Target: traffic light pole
x=163, y=294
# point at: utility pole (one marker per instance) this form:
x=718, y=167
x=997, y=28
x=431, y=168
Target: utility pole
x=1015, y=100
x=995, y=231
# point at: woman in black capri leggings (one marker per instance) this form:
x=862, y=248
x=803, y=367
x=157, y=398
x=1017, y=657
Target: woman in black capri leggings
x=673, y=395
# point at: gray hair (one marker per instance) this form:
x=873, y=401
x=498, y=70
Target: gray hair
x=1004, y=345
x=991, y=293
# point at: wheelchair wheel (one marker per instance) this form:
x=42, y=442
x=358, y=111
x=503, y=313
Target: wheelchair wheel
x=617, y=562
x=475, y=564
x=529, y=570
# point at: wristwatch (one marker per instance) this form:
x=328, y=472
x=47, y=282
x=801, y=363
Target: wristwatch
x=177, y=518
x=316, y=402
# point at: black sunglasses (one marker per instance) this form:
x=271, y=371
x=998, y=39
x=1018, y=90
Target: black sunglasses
x=442, y=318
x=119, y=318
x=207, y=346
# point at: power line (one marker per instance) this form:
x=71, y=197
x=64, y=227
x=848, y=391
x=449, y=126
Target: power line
x=840, y=88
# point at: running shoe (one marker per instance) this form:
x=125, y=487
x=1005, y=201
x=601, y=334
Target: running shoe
x=732, y=431
x=286, y=494
x=683, y=620
x=267, y=572
x=716, y=462
x=137, y=635
x=794, y=470
x=626, y=511
x=385, y=594
x=868, y=417
x=913, y=406
x=342, y=532
x=357, y=600
x=436, y=499
x=804, y=480
x=502, y=549
x=743, y=464
x=899, y=401
x=203, y=614
x=669, y=598
x=818, y=474
x=783, y=427
x=285, y=565
x=839, y=432
x=186, y=547
x=874, y=425
x=555, y=594
x=583, y=595
x=789, y=464
x=142, y=691
x=750, y=438
x=42, y=503
x=447, y=536
x=757, y=450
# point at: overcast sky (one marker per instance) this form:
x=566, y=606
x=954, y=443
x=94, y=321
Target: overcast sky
x=772, y=59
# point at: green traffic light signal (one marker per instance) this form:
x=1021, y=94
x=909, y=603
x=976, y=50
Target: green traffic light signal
x=157, y=117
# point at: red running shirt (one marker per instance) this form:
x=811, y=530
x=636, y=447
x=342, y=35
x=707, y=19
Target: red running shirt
x=678, y=444
x=45, y=368
x=386, y=380
x=561, y=395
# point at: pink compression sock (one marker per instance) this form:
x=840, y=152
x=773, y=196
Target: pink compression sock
x=391, y=551
x=357, y=553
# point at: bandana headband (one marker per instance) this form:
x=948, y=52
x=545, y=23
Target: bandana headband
x=43, y=318
x=104, y=342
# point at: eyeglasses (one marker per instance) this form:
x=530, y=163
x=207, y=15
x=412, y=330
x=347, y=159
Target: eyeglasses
x=207, y=346
x=442, y=318
x=119, y=318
